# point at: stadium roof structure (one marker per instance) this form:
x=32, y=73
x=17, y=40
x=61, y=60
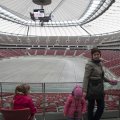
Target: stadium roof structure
x=68, y=18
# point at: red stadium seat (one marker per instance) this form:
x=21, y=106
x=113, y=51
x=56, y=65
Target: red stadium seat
x=21, y=114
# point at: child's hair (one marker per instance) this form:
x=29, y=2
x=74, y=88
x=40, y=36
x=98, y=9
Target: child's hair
x=77, y=91
x=27, y=87
x=22, y=89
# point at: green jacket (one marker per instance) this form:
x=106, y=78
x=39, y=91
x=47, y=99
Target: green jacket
x=93, y=71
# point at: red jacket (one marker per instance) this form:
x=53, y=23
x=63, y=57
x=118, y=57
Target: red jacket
x=21, y=101
x=73, y=105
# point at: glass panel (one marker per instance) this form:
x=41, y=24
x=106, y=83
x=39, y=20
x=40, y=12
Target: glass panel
x=51, y=97
x=56, y=95
x=8, y=92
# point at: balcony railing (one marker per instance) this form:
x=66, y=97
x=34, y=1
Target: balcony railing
x=51, y=97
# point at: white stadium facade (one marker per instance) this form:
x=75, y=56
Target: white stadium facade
x=46, y=44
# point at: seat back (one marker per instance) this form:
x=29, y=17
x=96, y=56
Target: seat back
x=21, y=114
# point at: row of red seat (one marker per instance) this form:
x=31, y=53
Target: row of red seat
x=55, y=101
x=22, y=52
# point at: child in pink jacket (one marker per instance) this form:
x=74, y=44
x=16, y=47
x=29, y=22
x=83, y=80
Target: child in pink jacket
x=75, y=105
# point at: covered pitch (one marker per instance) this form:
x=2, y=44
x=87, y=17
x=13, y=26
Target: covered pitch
x=41, y=69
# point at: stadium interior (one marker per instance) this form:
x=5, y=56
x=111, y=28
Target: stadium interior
x=47, y=43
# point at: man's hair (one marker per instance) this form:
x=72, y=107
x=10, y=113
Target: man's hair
x=94, y=50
